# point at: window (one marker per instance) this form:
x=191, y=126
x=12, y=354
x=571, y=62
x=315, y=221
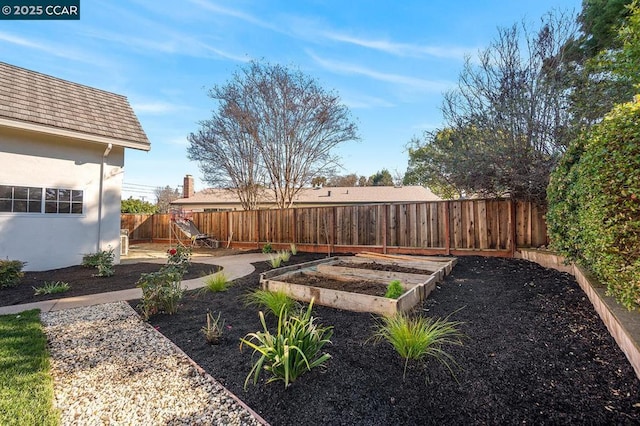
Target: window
x=27, y=199
x=63, y=201
x=20, y=199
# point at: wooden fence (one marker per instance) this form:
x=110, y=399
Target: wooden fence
x=495, y=227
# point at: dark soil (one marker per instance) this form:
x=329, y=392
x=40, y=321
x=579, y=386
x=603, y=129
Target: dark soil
x=535, y=352
x=83, y=282
x=374, y=266
x=353, y=286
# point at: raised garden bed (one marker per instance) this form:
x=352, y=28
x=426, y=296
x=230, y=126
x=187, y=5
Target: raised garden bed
x=359, y=283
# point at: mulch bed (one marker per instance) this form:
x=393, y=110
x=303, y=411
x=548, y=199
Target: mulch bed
x=83, y=282
x=535, y=352
x=375, y=266
x=353, y=286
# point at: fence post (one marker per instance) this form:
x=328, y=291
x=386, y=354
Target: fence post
x=294, y=234
x=334, y=214
x=447, y=227
x=385, y=212
x=512, y=220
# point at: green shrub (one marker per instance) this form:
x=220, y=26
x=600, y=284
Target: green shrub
x=214, y=329
x=217, y=282
x=272, y=301
x=180, y=257
x=292, y=351
x=394, y=290
x=419, y=337
x=52, y=287
x=594, y=203
x=103, y=261
x=10, y=272
x=267, y=248
x=294, y=249
x=161, y=291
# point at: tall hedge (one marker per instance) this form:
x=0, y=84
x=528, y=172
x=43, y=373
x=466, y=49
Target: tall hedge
x=594, y=203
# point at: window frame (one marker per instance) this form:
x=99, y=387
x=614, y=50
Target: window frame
x=70, y=199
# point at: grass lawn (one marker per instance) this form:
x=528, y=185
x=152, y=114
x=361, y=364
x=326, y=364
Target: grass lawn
x=26, y=387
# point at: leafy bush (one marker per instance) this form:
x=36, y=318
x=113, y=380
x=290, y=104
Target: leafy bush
x=419, y=337
x=180, y=257
x=293, y=350
x=217, y=282
x=161, y=291
x=52, y=287
x=594, y=203
x=394, y=289
x=267, y=248
x=272, y=301
x=103, y=261
x=275, y=260
x=10, y=273
x=213, y=330
x=294, y=249
x=137, y=206
x=285, y=255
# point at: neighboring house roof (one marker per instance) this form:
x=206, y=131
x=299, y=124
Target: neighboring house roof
x=33, y=101
x=327, y=195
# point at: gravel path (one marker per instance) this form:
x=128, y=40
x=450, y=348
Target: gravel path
x=110, y=367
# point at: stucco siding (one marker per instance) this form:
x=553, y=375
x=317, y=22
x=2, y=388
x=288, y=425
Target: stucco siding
x=45, y=240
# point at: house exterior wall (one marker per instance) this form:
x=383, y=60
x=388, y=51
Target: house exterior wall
x=50, y=240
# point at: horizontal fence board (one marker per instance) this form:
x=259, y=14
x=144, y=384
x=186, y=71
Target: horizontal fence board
x=461, y=226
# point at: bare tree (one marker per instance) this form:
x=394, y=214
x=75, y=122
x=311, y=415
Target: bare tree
x=274, y=127
x=346, y=180
x=164, y=196
x=508, y=121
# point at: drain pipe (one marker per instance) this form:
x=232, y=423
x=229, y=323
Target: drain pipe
x=102, y=163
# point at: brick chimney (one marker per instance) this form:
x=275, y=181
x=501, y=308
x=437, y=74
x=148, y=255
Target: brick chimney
x=187, y=187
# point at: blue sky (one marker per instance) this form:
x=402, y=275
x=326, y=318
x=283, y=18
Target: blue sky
x=390, y=62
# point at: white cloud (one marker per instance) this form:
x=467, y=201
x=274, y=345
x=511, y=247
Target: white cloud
x=401, y=49
x=398, y=79
x=366, y=102
x=53, y=50
x=219, y=10
x=156, y=107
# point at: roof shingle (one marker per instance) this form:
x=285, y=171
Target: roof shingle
x=41, y=99
x=327, y=195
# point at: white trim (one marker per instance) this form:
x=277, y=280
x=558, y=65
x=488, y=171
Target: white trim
x=50, y=130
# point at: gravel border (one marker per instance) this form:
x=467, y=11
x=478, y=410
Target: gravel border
x=110, y=367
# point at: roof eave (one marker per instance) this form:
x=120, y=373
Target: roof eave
x=49, y=130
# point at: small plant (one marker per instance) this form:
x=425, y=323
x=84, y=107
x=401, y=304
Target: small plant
x=213, y=330
x=272, y=301
x=292, y=351
x=51, y=287
x=161, y=291
x=267, y=248
x=10, y=273
x=216, y=283
x=284, y=255
x=103, y=261
x=275, y=260
x=293, y=249
x=91, y=260
x=394, y=290
x=418, y=338
x=180, y=257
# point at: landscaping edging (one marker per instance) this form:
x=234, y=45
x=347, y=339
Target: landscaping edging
x=623, y=325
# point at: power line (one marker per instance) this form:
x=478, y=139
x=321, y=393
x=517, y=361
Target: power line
x=140, y=185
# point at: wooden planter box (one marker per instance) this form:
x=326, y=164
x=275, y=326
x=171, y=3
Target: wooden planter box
x=417, y=286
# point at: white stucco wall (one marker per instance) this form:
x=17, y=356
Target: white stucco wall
x=47, y=241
